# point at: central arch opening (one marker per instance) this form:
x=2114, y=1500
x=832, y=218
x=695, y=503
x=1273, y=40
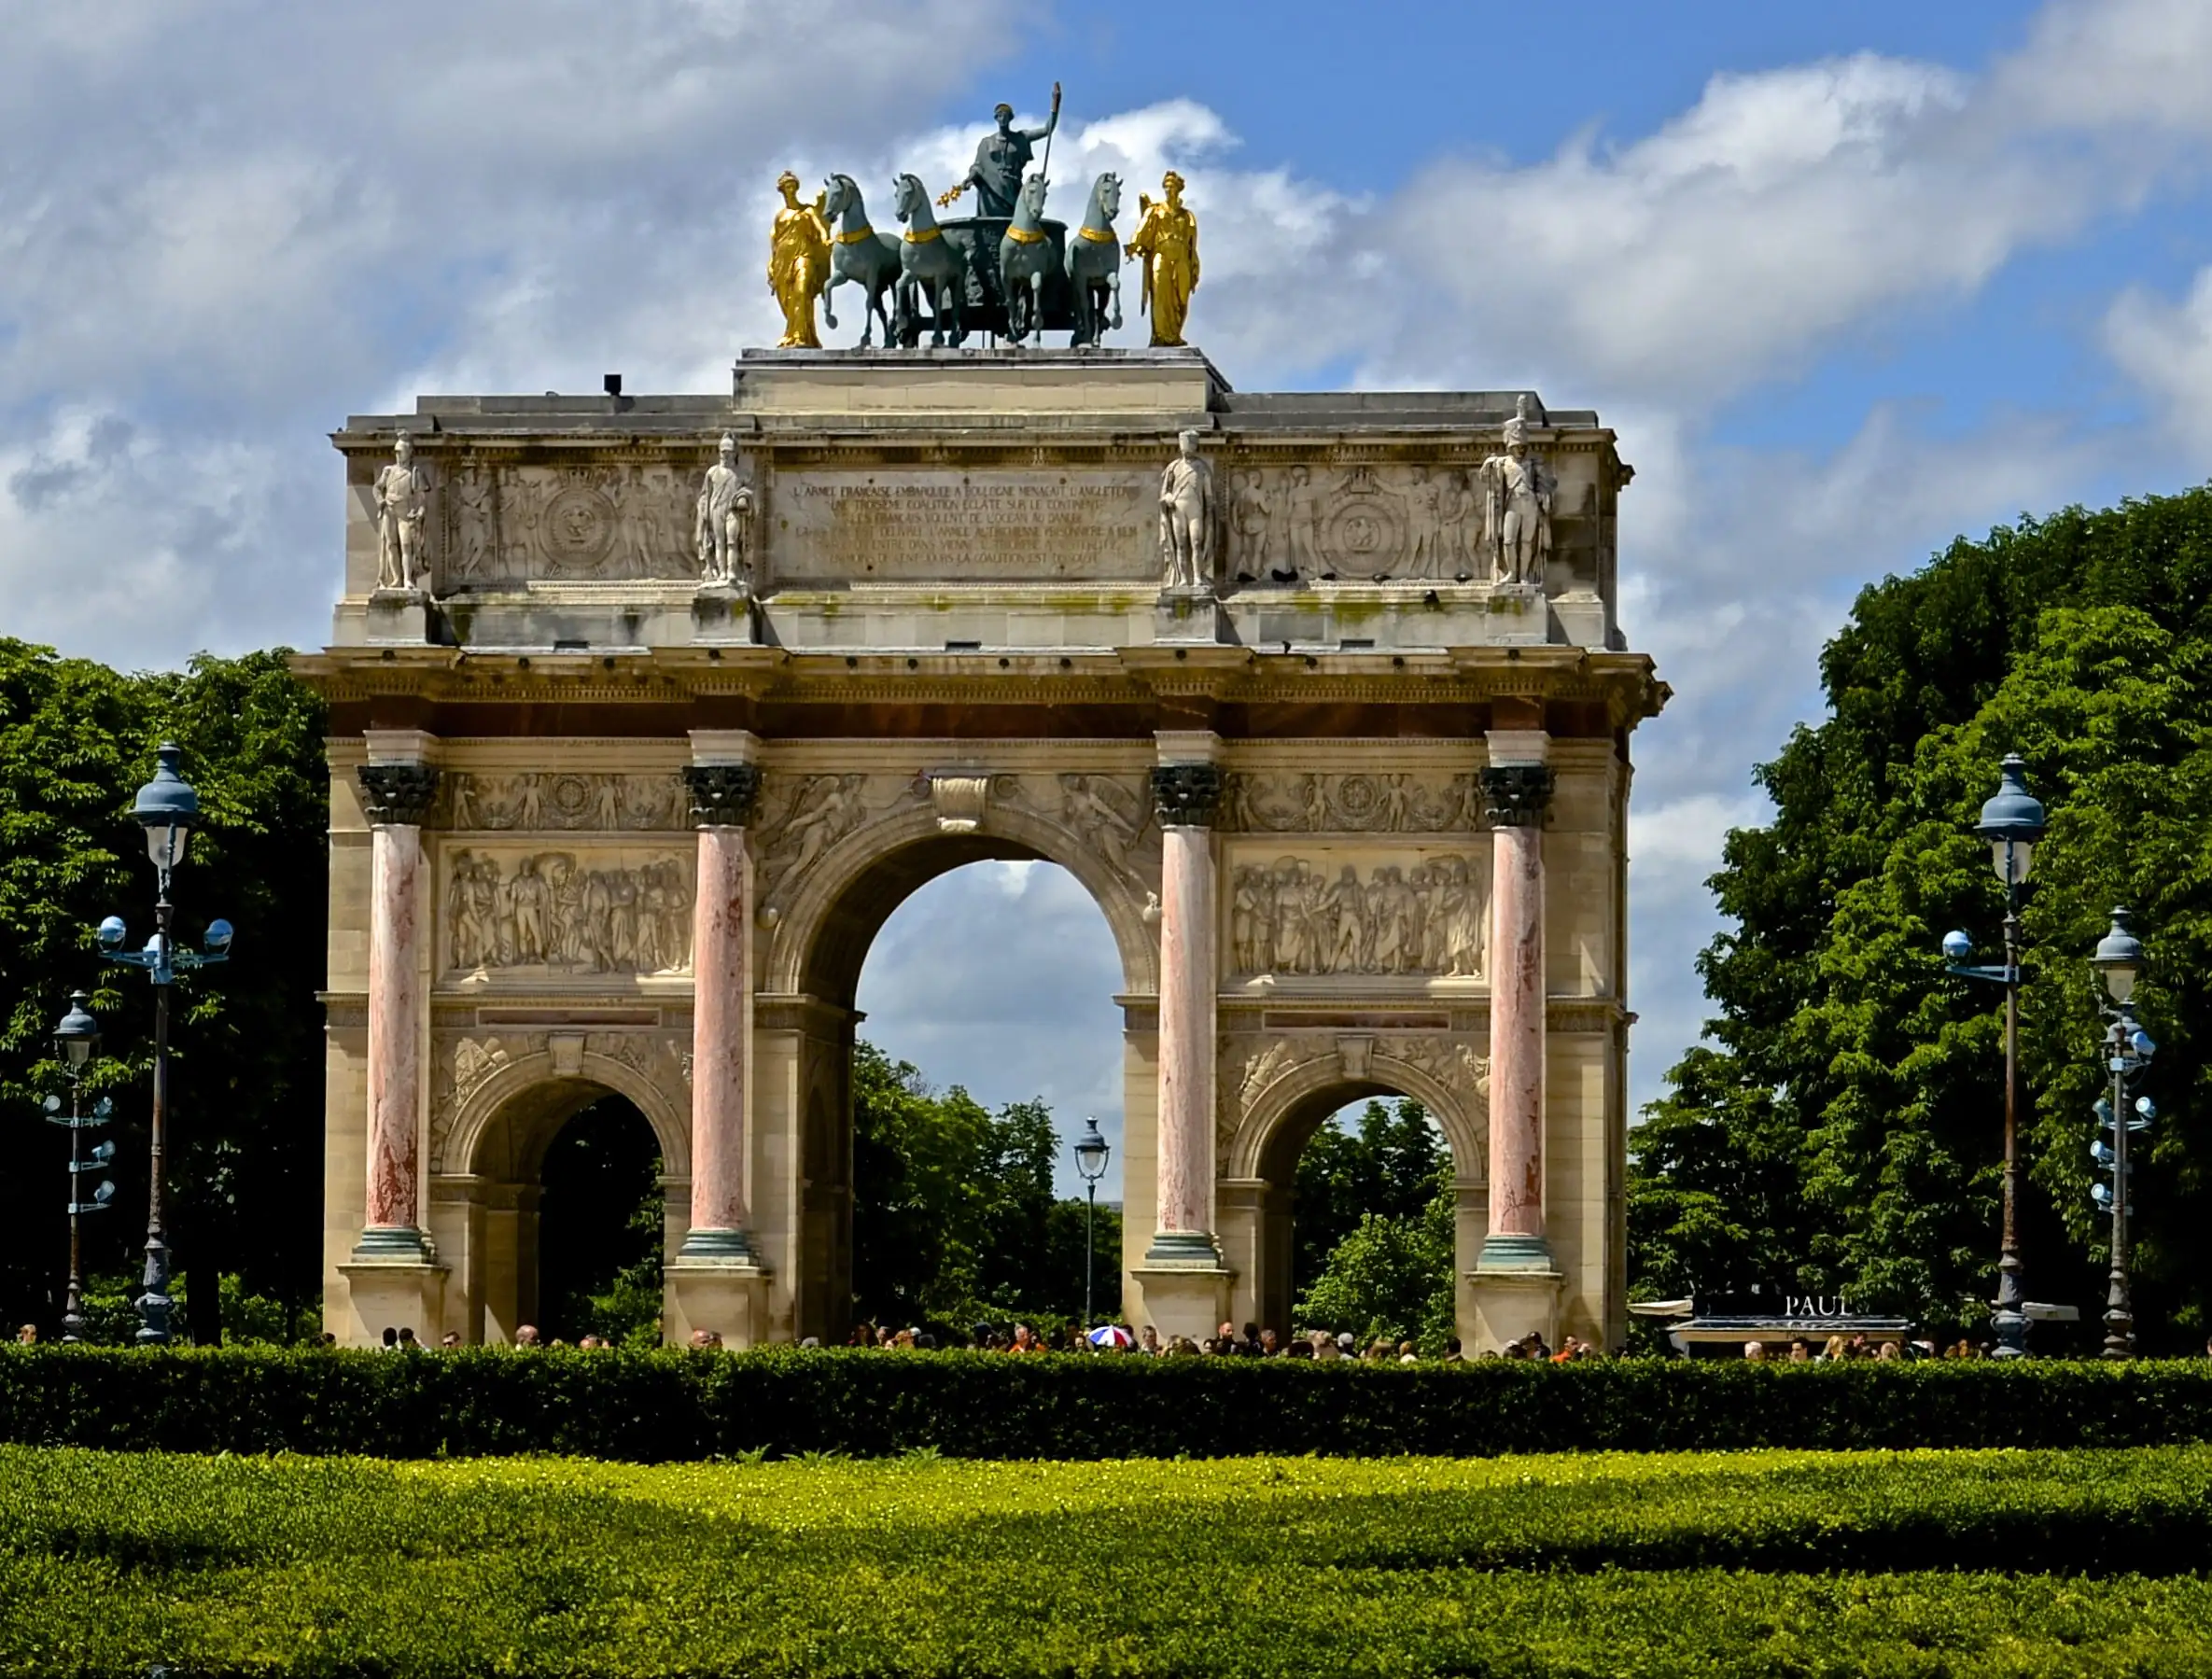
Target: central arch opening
x=977, y=981
x=601, y=1216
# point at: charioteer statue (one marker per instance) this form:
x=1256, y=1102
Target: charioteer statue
x=1002, y=159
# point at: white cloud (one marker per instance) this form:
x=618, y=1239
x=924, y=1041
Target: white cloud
x=2167, y=348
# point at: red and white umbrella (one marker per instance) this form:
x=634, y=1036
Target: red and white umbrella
x=1110, y=1335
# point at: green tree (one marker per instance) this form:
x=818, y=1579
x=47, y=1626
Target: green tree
x=1841, y=1128
x=954, y=1217
x=1382, y=1163
x=76, y=741
x=1373, y=1235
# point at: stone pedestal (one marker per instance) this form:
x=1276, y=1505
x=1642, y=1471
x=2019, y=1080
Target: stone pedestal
x=401, y=1293
x=729, y=1296
x=1185, y=795
x=398, y=618
x=1519, y=615
x=725, y=615
x=1190, y=617
x=1184, y=1299
x=1509, y=1304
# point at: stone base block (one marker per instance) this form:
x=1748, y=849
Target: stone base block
x=1509, y=1304
x=1184, y=1299
x=393, y=1294
x=1519, y=615
x=398, y=618
x=723, y=615
x=1189, y=617
x=729, y=1296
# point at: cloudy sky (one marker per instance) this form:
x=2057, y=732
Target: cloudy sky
x=1847, y=280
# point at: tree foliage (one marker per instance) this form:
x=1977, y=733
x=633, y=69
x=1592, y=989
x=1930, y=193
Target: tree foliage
x=1841, y=1126
x=77, y=740
x=955, y=1221
x=1374, y=1229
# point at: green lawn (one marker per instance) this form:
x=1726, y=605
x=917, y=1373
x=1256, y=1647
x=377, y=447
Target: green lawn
x=1951, y=1564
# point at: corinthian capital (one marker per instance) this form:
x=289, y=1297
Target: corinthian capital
x=1186, y=794
x=723, y=794
x=397, y=795
x=1514, y=795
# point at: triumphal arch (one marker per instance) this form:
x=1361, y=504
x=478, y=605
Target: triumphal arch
x=647, y=711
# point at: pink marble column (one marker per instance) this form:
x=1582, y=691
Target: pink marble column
x=397, y=798
x=723, y=796
x=1185, y=795
x=1516, y=794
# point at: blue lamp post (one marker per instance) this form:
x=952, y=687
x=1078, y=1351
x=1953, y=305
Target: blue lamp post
x=76, y=1036
x=2128, y=1050
x=168, y=810
x=1091, y=1152
x=2011, y=823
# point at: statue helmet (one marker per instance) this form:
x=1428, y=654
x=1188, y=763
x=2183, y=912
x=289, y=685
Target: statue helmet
x=787, y=180
x=1002, y=110
x=1171, y=182
x=1516, y=432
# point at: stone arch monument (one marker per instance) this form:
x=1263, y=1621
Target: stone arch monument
x=685, y=694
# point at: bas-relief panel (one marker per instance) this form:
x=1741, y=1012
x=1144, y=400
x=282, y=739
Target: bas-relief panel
x=1324, y=916
x=1395, y=803
x=462, y=1063
x=946, y=525
x=607, y=520
x=1387, y=521
x=544, y=915
x=534, y=802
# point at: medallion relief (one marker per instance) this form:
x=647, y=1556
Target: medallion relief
x=533, y=802
x=1300, y=915
x=550, y=913
x=599, y=522
x=1398, y=803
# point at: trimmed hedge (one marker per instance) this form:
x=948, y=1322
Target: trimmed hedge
x=668, y=1405
x=1613, y=1564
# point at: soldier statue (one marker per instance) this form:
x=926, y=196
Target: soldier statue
x=1002, y=158
x=723, y=525
x=1187, y=518
x=403, y=502
x=1520, y=489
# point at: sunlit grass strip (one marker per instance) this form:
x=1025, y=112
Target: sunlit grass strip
x=1716, y=1563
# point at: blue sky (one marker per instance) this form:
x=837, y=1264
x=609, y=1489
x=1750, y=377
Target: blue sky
x=1846, y=279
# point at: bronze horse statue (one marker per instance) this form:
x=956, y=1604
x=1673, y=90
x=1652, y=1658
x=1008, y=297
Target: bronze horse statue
x=860, y=254
x=1093, y=263
x=927, y=259
x=1025, y=256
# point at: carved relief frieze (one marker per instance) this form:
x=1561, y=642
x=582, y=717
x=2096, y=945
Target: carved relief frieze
x=1394, y=803
x=460, y=1067
x=801, y=817
x=534, y=802
x=1249, y=1065
x=1116, y=817
x=1301, y=916
x=1452, y=1062
x=601, y=521
x=545, y=914
x=655, y=1058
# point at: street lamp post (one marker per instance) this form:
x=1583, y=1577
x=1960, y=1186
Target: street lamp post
x=167, y=809
x=2011, y=823
x=1091, y=1154
x=76, y=1038
x=2128, y=1050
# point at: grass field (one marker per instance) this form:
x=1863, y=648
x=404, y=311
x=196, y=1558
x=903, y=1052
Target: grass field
x=1950, y=1563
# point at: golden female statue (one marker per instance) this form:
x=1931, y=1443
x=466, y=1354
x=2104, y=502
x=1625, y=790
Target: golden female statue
x=1166, y=238
x=798, y=263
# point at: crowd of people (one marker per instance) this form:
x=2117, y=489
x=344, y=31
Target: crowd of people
x=1227, y=1341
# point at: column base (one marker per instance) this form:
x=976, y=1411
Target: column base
x=728, y=1296
x=395, y=1293
x=725, y=1245
x=1508, y=1303
x=1502, y=1252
